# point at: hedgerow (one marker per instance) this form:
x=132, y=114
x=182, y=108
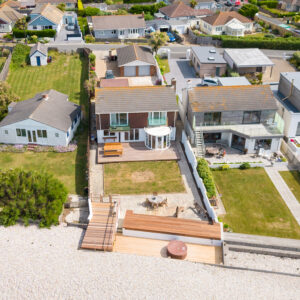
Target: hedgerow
x=207, y=177
x=18, y=33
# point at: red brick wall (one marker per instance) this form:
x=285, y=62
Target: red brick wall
x=104, y=121
x=138, y=120
x=122, y=71
x=171, y=115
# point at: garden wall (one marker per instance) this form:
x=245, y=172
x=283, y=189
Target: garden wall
x=193, y=162
x=5, y=69
x=204, y=40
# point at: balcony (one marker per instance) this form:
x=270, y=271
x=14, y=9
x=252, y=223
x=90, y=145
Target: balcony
x=157, y=121
x=117, y=127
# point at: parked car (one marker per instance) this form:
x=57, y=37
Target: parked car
x=208, y=81
x=109, y=74
x=171, y=37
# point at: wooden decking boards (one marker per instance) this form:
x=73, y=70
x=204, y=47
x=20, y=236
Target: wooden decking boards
x=170, y=225
x=100, y=234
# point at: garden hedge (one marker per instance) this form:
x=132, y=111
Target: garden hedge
x=18, y=33
x=30, y=195
x=270, y=4
x=137, y=1
x=205, y=173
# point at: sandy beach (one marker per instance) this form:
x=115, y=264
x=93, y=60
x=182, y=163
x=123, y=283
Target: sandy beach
x=45, y=264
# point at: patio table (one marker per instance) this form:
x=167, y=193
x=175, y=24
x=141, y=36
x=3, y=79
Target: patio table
x=156, y=200
x=212, y=150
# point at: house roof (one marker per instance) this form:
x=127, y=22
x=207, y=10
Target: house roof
x=50, y=12
x=180, y=9
x=251, y=57
x=39, y=47
x=56, y=111
x=118, y=22
x=115, y=82
x=55, y=2
x=187, y=2
x=232, y=81
x=9, y=15
x=208, y=55
x=231, y=98
x=11, y=3
x=292, y=77
x=132, y=53
x=224, y=17
x=135, y=99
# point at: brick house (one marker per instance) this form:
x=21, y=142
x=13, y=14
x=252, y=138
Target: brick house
x=137, y=114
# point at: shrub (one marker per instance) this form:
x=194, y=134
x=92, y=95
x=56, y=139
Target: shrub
x=80, y=7
x=224, y=167
x=248, y=10
x=82, y=21
x=39, y=33
x=30, y=195
x=207, y=178
x=245, y=166
x=269, y=4
x=20, y=55
x=89, y=38
x=92, y=11
x=138, y=1
x=147, y=9
x=296, y=56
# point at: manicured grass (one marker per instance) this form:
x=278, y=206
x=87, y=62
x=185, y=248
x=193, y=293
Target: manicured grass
x=292, y=179
x=66, y=74
x=68, y=167
x=253, y=204
x=142, y=178
x=163, y=64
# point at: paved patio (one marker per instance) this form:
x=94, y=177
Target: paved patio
x=281, y=65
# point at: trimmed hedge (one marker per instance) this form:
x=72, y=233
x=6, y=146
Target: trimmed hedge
x=147, y=9
x=207, y=177
x=137, y=1
x=39, y=33
x=30, y=195
x=270, y=4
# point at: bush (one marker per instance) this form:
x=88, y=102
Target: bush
x=82, y=21
x=92, y=11
x=269, y=4
x=224, y=167
x=80, y=7
x=206, y=175
x=39, y=33
x=248, y=10
x=245, y=166
x=137, y=1
x=30, y=195
x=147, y=9
x=20, y=55
x=89, y=38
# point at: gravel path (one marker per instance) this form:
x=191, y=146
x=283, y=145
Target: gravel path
x=45, y=264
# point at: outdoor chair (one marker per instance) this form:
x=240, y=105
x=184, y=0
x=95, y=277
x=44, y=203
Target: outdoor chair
x=164, y=202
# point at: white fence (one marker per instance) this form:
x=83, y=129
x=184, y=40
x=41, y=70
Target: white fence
x=193, y=161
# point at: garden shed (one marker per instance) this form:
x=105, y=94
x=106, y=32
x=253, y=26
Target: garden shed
x=38, y=55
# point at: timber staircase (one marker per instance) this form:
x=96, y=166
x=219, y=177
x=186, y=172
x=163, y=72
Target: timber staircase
x=101, y=230
x=199, y=141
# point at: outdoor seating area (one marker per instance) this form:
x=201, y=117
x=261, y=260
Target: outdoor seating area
x=136, y=151
x=156, y=201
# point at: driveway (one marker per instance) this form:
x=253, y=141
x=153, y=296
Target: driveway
x=61, y=37
x=181, y=70
x=281, y=65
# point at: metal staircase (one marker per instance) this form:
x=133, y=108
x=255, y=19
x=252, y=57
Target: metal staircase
x=199, y=141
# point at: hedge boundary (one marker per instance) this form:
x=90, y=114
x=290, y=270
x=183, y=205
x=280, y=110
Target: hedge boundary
x=18, y=33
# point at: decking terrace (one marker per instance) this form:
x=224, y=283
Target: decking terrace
x=138, y=152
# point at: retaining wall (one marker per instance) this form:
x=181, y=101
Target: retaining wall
x=5, y=69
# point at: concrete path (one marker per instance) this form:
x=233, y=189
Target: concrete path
x=286, y=194
x=95, y=174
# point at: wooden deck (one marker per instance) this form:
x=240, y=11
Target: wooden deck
x=170, y=225
x=157, y=248
x=138, y=152
x=100, y=234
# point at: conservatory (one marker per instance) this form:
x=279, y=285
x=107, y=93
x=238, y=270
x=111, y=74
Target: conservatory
x=158, y=138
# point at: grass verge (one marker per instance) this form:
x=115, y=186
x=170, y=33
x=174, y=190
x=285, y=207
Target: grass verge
x=292, y=179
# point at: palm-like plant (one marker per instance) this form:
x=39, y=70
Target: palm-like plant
x=193, y=3
x=157, y=40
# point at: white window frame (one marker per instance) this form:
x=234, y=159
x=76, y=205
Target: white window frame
x=117, y=115
x=135, y=130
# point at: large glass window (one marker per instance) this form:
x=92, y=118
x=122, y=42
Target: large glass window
x=119, y=119
x=266, y=144
x=213, y=118
x=157, y=118
x=132, y=135
x=251, y=117
x=21, y=132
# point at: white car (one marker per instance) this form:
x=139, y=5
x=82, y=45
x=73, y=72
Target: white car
x=208, y=81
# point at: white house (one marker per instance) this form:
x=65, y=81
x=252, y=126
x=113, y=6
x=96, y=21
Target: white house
x=46, y=119
x=229, y=23
x=8, y=18
x=70, y=4
x=38, y=55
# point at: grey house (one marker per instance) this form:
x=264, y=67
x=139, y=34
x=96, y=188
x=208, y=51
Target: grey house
x=119, y=27
x=241, y=117
x=201, y=4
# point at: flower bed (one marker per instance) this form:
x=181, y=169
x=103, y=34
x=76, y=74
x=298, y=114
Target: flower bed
x=23, y=148
x=236, y=165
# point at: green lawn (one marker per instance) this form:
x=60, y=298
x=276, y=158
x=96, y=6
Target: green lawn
x=163, y=64
x=142, y=178
x=66, y=74
x=253, y=204
x=292, y=179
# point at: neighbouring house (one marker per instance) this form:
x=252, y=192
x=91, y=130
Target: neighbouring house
x=201, y=4
x=70, y=20
x=69, y=3
x=137, y=114
x=38, y=55
x=161, y=25
x=229, y=23
x=16, y=5
x=27, y=4
x=233, y=81
x=46, y=16
x=182, y=12
x=134, y=60
x=46, y=119
x=207, y=62
x=8, y=18
x=119, y=26
x=245, y=61
x=114, y=83
x=241, y=117
x=290, y=5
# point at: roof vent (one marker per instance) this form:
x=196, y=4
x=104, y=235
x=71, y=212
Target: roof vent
x=212, y=51
x=211, y=58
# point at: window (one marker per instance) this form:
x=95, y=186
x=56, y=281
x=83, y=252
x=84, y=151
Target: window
x=75, y=120
x=198, y=66
x=266, y=144
x=6, y=131
x=157, y=118
x=56, y=134
x=213, y=118
x=122, y=32
x=21, y=132
x=298, y=129
x=68, y=133
x=113, y=31
x=259, y=69
x=219, y=28
x=133, y=30
x=48, y=27
x=119, y=119
x=132, y=135
x=39, y=133
x=251, y=117
x=106, y=132
x=44, y=134
x=34, y=27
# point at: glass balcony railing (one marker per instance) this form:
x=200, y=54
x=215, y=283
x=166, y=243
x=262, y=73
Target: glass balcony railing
x=157, y=121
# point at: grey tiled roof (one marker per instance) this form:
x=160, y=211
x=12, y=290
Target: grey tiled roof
x=135, y=99
x=232, y=98
x=204, y=53
x=132, y=53
x=56, y=111
x=39, y=47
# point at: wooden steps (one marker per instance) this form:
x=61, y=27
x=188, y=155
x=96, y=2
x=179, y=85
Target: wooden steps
x=100, y=234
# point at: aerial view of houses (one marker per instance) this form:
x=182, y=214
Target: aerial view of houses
x=149, y=149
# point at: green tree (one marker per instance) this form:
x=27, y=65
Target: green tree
x=193, y=3
x=6, y=97
x=157, y=40
x=248, y=10
x=61, y=6
x=121, y=12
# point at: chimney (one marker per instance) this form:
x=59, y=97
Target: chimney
x=143, y=14
x=45, y=97
x=173, y=83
